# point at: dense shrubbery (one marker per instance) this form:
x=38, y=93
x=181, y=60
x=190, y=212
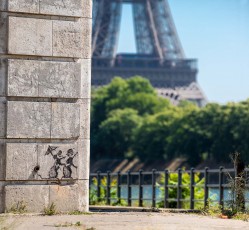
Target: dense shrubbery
x=185, y=192
x=130, y=120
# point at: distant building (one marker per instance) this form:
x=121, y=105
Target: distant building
x=160, y=57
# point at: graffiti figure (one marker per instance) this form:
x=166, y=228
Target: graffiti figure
x=58, y=157
x=67, y=169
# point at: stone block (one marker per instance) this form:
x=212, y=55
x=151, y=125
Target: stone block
x=24, y=6
x=23, y=78
x=43, y=120
x=2, y=184
x=58, y=161
x=28, y=119
x=2, y=117
x=35, y=197
x=55, y=161
x=85, y=118
x=21, y=160
x=87, y=38
x=69, y=39
x=70, y=197
x=2, y=160
x=61, y=80
x=72, y=8
x=83, y=195
x=65, y=198
x=86, y=78
x=3, y=5
x=30, y=36
x=65, y=121
x=3, y=76
x=44, y=79
x=84, y=155
x=4, y=32
x=87, y=8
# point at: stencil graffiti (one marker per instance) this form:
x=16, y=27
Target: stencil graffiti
x=67, y=169
x=63, y=162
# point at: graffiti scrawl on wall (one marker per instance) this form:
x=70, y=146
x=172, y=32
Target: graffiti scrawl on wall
x=63, y=162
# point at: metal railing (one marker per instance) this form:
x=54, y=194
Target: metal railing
x=139, y=62
x=162, y=191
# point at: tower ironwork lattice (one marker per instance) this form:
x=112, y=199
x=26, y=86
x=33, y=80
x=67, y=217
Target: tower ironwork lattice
x=160, y=56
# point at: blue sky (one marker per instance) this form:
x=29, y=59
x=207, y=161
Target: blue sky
x=216, y=32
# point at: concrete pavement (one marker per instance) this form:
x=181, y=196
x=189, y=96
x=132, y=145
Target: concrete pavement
x=119, y=221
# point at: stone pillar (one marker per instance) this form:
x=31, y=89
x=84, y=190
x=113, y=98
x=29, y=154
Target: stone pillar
x=45, y=67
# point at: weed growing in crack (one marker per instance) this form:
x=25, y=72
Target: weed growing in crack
x=50, y=210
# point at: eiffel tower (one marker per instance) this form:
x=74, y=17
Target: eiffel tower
x=159, y=58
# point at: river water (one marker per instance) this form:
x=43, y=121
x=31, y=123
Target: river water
x=147, y=195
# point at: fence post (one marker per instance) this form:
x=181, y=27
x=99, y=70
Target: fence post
x=140, y=188
x=206, y=190
x=119, y=188
x=221, y=188
x=154, y=188
x=192, y=188
x=179, y=189
x=129, y=187
x=108, y=194
x=166, y=189
x=98, y=185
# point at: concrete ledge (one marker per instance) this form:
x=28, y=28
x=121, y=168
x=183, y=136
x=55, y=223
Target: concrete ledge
x=115, y=209
x=94, y=208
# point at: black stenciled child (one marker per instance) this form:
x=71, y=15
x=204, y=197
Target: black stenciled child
x=67, y=169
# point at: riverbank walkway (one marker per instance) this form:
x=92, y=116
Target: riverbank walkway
x=119, y=221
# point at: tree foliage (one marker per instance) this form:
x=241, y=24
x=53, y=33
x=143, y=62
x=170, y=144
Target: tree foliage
x=129, y=119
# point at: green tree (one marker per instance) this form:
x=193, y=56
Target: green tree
x=151, y=136
x=135, y=94
x=116, y=133
x=129, y=119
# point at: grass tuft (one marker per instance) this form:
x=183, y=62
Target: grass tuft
x=76, y=213
x=67, y=224
x=18, y=208
x=50, y=210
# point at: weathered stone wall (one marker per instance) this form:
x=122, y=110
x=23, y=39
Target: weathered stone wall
x=45, y=67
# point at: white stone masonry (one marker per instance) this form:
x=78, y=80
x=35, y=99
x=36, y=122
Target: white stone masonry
x=45, y=68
